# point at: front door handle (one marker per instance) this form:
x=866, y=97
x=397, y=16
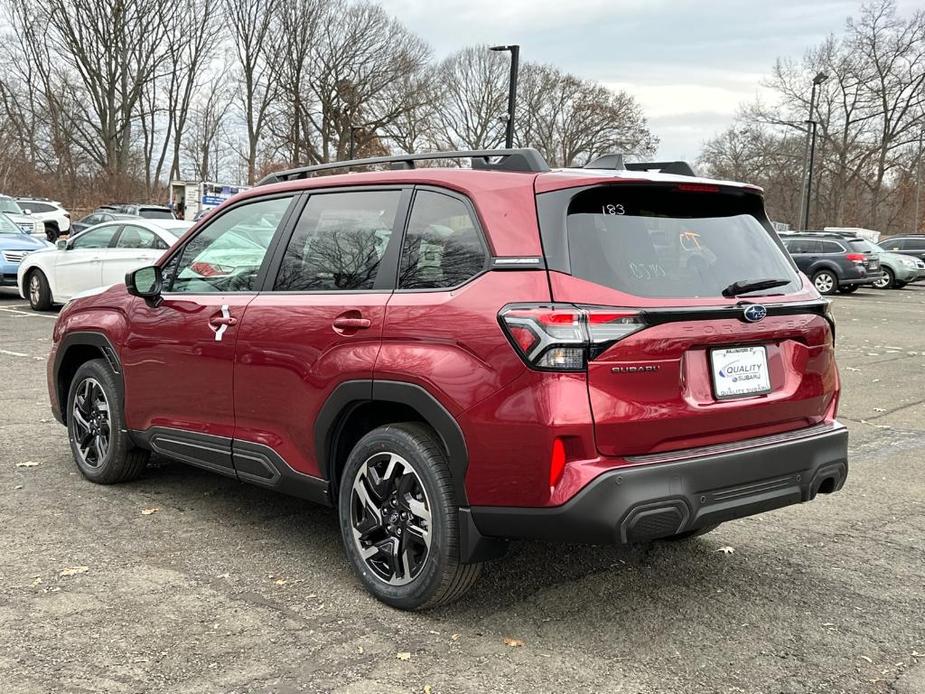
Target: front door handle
x=344, y=323
x=219, y=323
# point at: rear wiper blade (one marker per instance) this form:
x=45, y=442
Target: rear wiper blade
x=746, y=286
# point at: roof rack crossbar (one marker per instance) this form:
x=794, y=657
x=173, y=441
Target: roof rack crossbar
x=525, y=160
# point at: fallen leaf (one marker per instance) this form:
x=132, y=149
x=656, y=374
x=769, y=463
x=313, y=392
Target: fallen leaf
x=149, y=511
x=454, y=637
x=403, y=655
x=864, y=657
x=427, y=689
x=726, y=549
x=18, y=486
x=28, y=463
x=879, y=409
x=36, y=582
x=513, y=643
x=73, y=570
x=280, y=581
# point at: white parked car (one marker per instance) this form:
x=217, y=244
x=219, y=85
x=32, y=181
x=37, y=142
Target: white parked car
x=25, y=222
x=97, y=257
x=56, y=219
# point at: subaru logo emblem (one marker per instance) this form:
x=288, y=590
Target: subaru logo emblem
x=755, y=312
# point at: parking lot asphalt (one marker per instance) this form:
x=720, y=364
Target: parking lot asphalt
x=187, y=582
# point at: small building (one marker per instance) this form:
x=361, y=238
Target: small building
x=190, y=198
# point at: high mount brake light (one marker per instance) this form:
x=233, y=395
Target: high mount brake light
x=697, y=188
x=564, y=337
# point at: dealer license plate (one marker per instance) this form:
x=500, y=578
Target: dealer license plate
x=740, y=371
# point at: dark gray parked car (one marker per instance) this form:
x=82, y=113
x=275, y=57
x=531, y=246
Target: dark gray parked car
x=831, y=263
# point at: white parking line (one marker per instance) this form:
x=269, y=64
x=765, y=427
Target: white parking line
x=23, y=313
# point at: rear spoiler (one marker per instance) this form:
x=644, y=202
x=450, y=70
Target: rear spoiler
x=616, y=162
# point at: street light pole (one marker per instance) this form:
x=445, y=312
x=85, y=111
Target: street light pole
x=811, y=127
x=514, y=50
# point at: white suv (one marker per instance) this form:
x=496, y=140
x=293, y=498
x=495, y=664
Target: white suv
x=26, y=223
x=56, y=219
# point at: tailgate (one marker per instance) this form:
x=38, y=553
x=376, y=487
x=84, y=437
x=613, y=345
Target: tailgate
x=657, y=390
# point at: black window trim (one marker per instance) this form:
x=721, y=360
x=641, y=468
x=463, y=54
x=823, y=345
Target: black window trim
x=488, y=264
x=296, y=202
x=386, y=275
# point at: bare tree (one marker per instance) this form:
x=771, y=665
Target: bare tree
x=473, y=85
x=251, y=25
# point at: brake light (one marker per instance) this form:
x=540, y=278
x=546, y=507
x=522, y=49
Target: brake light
x=697, y=188
x=565, y=337
x=856, y=258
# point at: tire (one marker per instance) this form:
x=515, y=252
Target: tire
x=899, y=285
x=888, y=281
x=38, y=291
x=848, y=289
x=51, y=231
x=403, y=464
x=825, y=282
x=690, y=534
x=118, y=460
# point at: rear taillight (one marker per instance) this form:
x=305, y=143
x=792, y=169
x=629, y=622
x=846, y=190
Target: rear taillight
x=856, y=258
x=564, y=337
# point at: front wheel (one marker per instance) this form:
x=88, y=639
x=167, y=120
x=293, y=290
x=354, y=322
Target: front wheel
x=96, y=429
x=39, y=291
x=399, y=519
x=887, y=281
x=825, y=282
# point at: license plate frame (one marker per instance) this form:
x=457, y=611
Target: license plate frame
x=752, y=354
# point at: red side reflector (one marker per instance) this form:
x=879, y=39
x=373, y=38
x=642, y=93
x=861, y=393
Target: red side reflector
x=697, y=188
x=556, y=462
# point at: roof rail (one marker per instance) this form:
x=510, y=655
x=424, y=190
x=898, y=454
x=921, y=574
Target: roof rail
x=615, y=161
x=526, y=160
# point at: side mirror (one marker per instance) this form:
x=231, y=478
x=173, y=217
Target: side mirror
x=145, y=282
x=61, y=244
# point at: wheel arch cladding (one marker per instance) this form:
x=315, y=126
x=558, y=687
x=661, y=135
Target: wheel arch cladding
x=356, y=407
x=77, y=349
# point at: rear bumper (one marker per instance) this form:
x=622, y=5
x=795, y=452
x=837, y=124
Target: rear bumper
x=675, y=492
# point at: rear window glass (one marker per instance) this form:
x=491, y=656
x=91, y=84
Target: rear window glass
x=154, y=213
x=863, y=246
x=663, y=241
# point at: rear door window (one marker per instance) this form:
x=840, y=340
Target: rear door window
x=339, y=241
x=672, y=241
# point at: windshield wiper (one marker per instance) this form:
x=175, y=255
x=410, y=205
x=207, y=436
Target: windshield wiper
x=746, y=286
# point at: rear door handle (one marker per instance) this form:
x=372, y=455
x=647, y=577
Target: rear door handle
x=343, y=323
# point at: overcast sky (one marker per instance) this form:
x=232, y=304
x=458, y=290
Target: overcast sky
x=690, y=63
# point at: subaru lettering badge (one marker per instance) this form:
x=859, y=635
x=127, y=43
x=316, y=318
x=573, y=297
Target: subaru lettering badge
x=755, y=312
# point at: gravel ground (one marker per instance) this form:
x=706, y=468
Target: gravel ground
x=229, y=588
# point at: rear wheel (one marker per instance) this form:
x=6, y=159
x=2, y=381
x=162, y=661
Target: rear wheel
x=887, y=281
x=398, y=519
x=39, y=291
x=825, y=282
x=96, y=430
x=848, y=289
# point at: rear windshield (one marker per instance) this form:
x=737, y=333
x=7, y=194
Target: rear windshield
x=863, y=246
x=154, y=213
x=672, y=241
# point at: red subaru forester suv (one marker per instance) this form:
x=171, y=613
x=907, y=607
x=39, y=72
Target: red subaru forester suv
x=457, y=356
